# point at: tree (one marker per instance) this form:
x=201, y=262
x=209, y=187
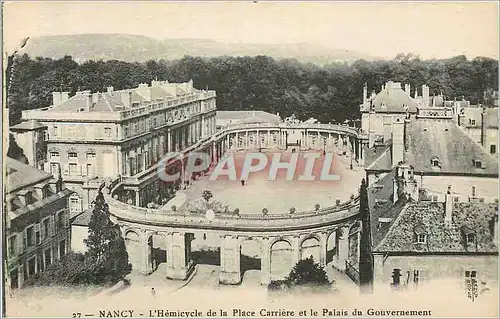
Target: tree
x=15, y=151
x=307, y=272
x=106, y=246
x=365, y=255
x=207, y=195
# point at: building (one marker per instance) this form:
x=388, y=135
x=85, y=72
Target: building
x=480, y=123
x=225, y=118
x=37, y=221
x=91, y=136
x=32, y=136
x=416, y=241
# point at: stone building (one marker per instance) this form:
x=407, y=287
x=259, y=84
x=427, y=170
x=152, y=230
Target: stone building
x=37, y=221
x=91, y=136
x=416, y=241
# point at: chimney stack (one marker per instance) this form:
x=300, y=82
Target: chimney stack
x=387, y=129
x=110, y=89
x=126, y=98
x=64, y=96
x=88, y=102
x=56, y=98
x=398, y=128
x=365, y=93
x=448, y=206
x=484, y=128
x=425, y=96
x=408, y=89
x=416, y=94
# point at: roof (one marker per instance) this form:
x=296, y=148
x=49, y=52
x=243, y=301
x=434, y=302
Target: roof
x=475, y=113
x=83, y=219
x=248, y=116
x=428, y=139
x=391, y=99
x=28, y=126
x=456, y=151
x=441, y=238
x=20, y=175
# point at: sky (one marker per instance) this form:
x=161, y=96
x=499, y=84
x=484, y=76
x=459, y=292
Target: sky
x=383, y=29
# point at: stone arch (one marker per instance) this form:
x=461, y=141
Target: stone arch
x=311, y=246
x=331, y=246
x=157, y=249
x=281, y=258
x=133, y=244
x=250, y=256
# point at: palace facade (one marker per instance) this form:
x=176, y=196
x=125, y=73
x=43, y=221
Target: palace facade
x=90, y=136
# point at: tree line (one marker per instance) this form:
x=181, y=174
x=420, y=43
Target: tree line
x=331, y=93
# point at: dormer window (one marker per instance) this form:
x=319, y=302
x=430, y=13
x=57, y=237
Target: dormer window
x=472, y=122
x=477, y=163
x=72, y=155
x=435, y=162
x=471, y=238
x=421, y=238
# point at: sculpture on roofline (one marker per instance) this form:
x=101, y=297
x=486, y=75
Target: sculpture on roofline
x=292, y=120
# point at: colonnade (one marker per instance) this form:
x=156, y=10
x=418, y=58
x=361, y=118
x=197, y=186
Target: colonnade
x=278, y=252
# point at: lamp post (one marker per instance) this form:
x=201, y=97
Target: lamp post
x=324, y=145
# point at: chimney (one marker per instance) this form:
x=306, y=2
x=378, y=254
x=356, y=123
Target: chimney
x=88, y=101
x=398, y=128
x=448, y=206
x=395, y=189
x=110, y=89
x=56, y=98
x=483, y=128
x=95, y=97
x=365, y=93
x=416, y=93
x=387, y=128
x=425, y=96
x=408, y=89
x=64, y=96
x=126, y=98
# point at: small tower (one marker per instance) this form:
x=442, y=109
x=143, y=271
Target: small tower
x=405, y=183
x=31, y=137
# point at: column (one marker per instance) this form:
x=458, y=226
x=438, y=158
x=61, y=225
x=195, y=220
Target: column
x=323, y=246
x=343, y=249
x=265, y=262
x=361, y=156
x=179, y=265
x=229, y=273
x=203, y=131
x=214, y=152
x=137, y=199
x=295, y=250
x=246, y=139
x=227, y=142
x=146, y=268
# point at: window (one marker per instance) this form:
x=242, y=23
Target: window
x=472, y=122
x=48, y=257
x=90, y=156
x=471, y=238
x=60, y=220
x=107, y=131
x=72, y=169
x=72, y=156
x=45, y=228
x=435, y=162
x=31, y=267
x=422, y=238
x=477, y=163
x=62, y=249
x=90, y=169
x=493, y=149
x=473, y=191
x=37, y=234
x=53, y=168
x=434, y=198
x=456, y=199
x=481, y=199
x=56, y=131
x=74, y=204
x=54, y=155
x=30, y=236
x=12, y=245
x=126, y=131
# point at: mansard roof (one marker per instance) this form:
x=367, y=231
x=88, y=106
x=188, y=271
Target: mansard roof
x=442, y=237
x=391, y=99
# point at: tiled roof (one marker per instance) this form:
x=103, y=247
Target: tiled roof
x=378, y=158
x=456, y=151
x=391, y=100
x=426, y=139
x=28, y=125
x=441, y=238
x=83, y=219
x=20, y=175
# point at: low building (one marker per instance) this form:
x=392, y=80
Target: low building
x=37, y=221
x=225, y=118
x=416, y=241
x=481, y=124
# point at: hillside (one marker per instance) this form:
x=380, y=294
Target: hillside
x=135, y=48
